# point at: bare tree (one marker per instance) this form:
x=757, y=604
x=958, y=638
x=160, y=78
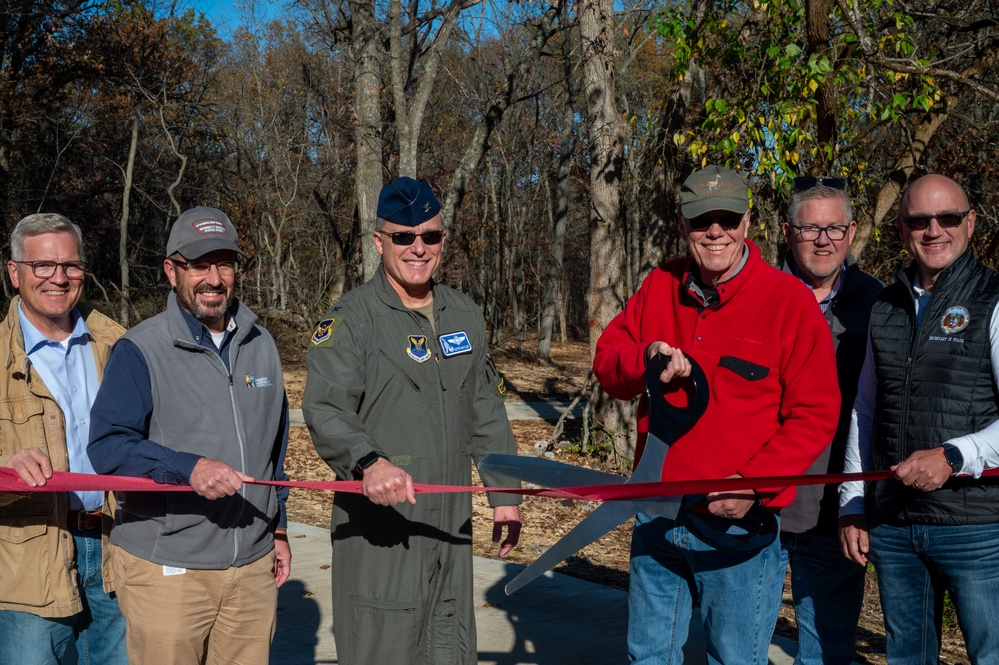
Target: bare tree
x=606, y=133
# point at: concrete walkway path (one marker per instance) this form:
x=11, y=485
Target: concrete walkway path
x=554, y=620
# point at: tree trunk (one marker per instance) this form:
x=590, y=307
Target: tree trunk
x=423, y=62
x=367, y=132
x=126, y=197
x=663, y=235
x=606, y=133
x=479, y=143
x=566, y=147
x=817, y=13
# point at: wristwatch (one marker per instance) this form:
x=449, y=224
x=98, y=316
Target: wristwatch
x=954, y=457
x=367, y=461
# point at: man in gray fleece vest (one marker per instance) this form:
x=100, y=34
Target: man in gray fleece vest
x=195, y=395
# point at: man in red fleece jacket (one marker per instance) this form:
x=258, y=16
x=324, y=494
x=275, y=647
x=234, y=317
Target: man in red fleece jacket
x=768, y=357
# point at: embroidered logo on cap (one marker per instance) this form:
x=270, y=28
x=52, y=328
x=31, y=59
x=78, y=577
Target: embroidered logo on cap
x=955, y=320
x=455, y=343
x=209, y=227
x=418, y=350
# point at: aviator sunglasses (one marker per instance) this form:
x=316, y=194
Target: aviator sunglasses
x=806, y=182
x=404, y=238
x=946, y=220
x=727, y=220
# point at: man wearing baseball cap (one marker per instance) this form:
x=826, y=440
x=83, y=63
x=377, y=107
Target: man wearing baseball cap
x=195, y=396
x=401, y=390
x=768, y=357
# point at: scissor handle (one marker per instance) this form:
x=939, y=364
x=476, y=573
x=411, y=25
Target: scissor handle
x=665, y=420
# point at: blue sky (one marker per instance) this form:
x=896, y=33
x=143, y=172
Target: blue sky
x=227, y=15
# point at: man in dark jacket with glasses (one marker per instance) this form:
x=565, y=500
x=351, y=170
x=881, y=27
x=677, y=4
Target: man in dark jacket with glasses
x=827, y=588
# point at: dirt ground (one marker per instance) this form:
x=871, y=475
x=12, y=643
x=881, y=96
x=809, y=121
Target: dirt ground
x=546, y=520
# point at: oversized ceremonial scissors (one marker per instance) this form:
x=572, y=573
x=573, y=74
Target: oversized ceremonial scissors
x=665, y=423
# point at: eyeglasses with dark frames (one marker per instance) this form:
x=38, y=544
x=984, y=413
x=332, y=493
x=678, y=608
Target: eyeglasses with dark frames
x=46, y=269
x=202, y=268
x=810, y=232
x=806, y=182
x=946, y=220
x=406, y=238
x=729, y=221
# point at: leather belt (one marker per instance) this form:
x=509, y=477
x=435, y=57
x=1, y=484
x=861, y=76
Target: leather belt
x=84, y=520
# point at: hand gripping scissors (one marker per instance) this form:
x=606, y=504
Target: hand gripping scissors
x=665, y=424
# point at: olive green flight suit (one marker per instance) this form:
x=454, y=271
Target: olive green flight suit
x=381, y=379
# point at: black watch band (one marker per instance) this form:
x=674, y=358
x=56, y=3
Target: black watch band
x=953, y=457
x=367, y=461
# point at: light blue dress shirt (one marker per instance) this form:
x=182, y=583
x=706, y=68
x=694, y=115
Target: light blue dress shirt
x=68, y=370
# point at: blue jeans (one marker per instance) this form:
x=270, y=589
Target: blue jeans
x=828, y=590
x=671, y=569
x=96, y=636
x=915, y=565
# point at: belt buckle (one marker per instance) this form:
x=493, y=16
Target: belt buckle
x=85, y=516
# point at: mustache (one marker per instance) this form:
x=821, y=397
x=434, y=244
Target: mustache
x=208, y=288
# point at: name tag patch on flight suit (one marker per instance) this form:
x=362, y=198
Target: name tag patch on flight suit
x=455, y=344
x=418, y=350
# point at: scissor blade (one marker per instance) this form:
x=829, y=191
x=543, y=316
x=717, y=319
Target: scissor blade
x=546, y=472
x=650, y=466
x=596, y=524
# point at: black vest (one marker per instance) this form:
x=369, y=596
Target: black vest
x=935, y=382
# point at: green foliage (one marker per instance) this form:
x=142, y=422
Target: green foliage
x=764, y=110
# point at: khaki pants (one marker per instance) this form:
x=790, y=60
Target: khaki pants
x=227, y=615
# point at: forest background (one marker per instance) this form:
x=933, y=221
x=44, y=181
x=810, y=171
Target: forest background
x=556, y=134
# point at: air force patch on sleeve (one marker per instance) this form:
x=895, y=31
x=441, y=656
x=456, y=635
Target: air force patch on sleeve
x=454, y=344
x=323, y=336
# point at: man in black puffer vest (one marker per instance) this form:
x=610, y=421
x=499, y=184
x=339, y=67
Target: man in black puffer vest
x=928, y=408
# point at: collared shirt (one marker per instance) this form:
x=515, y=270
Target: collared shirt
x=706, y=293
x=206, y=338
x=837, y=287
x=980, y=450
x=68, y=370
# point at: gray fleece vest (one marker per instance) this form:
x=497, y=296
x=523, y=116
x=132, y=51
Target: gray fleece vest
x=199, y=408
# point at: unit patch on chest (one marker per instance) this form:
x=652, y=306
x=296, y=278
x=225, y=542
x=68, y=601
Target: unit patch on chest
x=418, y=349
x=455, y=343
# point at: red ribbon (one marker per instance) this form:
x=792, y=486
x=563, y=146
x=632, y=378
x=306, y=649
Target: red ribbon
x=62, y=481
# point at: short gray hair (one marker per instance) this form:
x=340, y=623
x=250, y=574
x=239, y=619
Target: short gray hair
x=816, y=193
x=36, y=225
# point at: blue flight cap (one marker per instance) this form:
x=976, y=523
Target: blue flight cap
x=408, y=202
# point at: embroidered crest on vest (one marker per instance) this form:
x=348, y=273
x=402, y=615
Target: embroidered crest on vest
x=955, y=319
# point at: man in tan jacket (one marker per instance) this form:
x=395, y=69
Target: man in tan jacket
x=55, y=584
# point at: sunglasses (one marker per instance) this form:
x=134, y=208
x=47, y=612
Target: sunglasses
x=806, y=182
x=946, y=220
x=729, y=221
x=405, y=238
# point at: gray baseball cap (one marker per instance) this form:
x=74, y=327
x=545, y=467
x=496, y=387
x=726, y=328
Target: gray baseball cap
x=201, y=230
x=713, y=188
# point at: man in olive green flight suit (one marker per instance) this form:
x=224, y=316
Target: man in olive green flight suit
x=401, y=390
